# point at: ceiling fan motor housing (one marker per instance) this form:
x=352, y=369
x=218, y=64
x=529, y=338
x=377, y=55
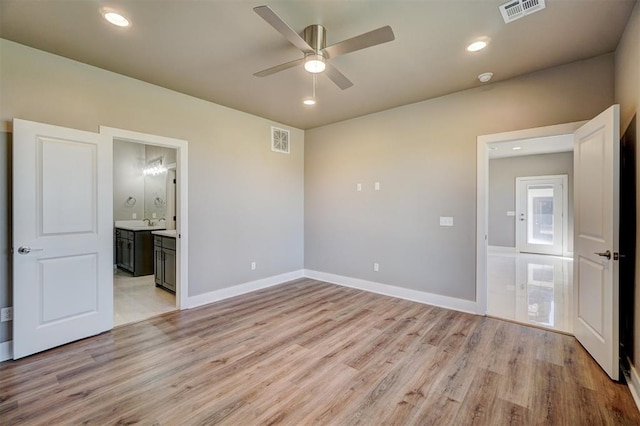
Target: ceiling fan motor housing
x=316, y=37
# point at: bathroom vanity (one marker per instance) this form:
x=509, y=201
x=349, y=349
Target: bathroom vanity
x=134, y=247
x=164, y=249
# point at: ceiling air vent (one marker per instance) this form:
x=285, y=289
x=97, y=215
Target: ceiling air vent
x=517, y=9
x=279, y=140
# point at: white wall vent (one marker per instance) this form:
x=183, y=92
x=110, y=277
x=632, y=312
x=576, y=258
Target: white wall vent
x=517, y=9
x=279, y=140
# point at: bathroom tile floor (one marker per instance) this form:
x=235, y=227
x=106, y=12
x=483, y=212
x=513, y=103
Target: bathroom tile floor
x=138, y=298
x=530, y=289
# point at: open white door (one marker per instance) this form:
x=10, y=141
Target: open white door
x=596, y=225
x=62, y=236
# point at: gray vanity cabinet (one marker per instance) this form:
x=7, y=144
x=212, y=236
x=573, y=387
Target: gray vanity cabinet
x=164, y=249
x=134, y=251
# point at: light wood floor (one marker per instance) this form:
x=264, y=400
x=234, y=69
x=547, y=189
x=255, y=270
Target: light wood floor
x=314, y=353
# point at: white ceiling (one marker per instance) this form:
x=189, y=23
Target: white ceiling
x=211, y=48
x=533, y=146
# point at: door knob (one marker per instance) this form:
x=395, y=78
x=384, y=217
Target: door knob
x=606, y=254
x=27, y=249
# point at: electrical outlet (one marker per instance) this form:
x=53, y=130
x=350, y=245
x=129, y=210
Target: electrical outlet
x=376, y=186
x=134, y=215
x=446, y=221
x=6, y=314
x=376, y=267
x=358, y=187
x=253, y=266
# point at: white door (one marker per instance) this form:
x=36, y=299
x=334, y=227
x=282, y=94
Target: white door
x=540, y=211
x=596, y=225
x=62, y=236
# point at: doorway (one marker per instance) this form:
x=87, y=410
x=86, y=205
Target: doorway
x=541, y=277
x=541, y=214
x=168, y=210
x=144, y=214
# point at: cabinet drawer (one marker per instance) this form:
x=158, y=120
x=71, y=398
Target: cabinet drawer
x=157, y=240
x=169, y=243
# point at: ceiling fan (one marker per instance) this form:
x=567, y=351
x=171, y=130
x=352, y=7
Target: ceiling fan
x=313, y=44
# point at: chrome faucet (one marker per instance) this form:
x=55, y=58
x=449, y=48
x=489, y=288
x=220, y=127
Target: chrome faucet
x=148, y=221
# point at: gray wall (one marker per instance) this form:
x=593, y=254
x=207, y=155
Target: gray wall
x=627, y=94
x=502, y=191
x=424, y=156
x=245, y=201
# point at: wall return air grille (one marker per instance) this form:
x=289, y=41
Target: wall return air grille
x=279, y=140
x=517, y=9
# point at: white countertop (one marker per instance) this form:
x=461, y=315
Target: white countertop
x=139, y=225
x=172, y=233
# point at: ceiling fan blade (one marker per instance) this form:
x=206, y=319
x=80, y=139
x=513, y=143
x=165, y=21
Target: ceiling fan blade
x=337, y=77
x=279, y=68
x=276, y=22
x=372, y=38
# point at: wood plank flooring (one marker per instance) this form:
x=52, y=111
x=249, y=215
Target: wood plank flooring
x=308, y=352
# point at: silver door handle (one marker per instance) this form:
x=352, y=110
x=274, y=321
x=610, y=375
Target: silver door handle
x=27, y=249
x=606, y=254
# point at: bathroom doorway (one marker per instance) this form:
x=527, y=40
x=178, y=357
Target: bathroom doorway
x=149, y=213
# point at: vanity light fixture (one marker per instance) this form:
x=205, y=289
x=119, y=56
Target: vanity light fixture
x=154, y=168
x=115, y=18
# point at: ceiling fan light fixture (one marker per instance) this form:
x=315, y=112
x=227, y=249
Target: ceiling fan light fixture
x=314, y=63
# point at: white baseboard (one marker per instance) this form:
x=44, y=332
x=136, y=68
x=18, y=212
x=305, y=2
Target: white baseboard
x=462, y=305
x=633, y=381
x=237, y=290
x=6, y=350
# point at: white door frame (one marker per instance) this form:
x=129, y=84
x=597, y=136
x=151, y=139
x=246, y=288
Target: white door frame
x=565, y=209
x=482, y=195
x=182, y=205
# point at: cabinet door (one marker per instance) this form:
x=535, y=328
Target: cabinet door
x=157, y=264
x=119, y=248
x=169, y=270
x=127, y=254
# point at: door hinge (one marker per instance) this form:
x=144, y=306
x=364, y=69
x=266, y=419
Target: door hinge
x=616, y=256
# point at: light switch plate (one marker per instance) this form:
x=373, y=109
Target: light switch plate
x=376, y=186
x=446, y=221
x=358, y=187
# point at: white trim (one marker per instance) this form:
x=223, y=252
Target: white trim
x=462, y=305
x=633, y=381
x=237, y=290
x=6, y=350
x=482, y=207
x=502, y=249
x=182, y=200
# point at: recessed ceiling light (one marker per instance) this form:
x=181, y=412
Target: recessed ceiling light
x=516, y=148
x=309, y=101
x=115, y=18
x=477, y=45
